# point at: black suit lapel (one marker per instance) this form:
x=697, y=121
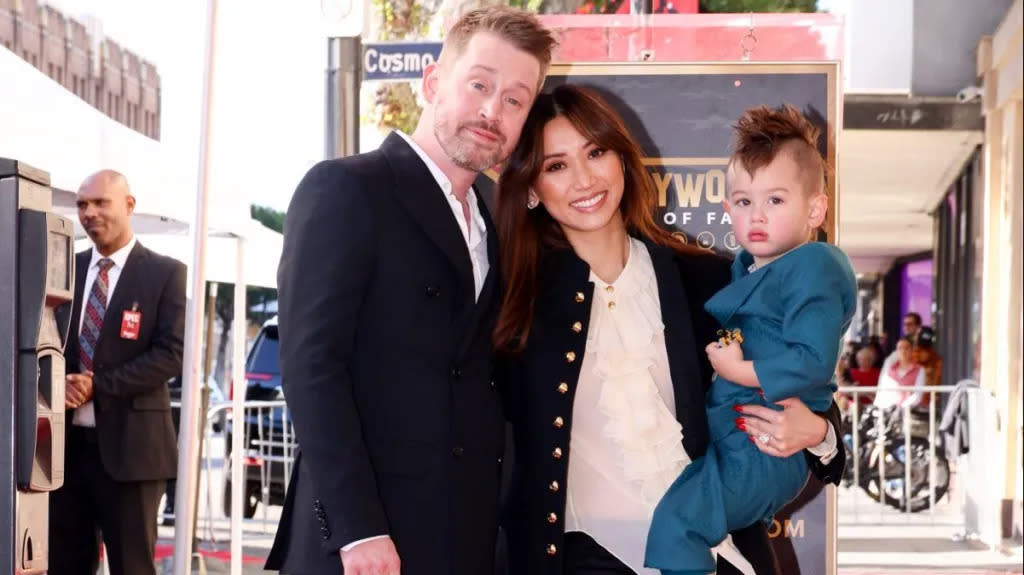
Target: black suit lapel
x=82, y=260
x=494, y=267
x=489, y=291
x=418, y=192
x=680, y=343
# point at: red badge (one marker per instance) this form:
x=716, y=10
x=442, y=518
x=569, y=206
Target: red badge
x=130, y=322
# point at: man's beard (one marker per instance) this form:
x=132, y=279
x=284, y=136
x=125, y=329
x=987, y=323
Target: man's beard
x=467, y=154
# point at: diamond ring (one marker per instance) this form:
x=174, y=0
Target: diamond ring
x=764, y=438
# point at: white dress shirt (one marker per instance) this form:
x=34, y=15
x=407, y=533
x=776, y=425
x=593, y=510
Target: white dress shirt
x=85, y=414
x=475, y=236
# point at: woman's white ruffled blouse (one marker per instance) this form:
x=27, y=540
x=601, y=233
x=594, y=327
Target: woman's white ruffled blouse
x=626, y=445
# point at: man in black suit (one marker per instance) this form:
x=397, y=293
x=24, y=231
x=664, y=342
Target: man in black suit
x=388, y=296
x=128, y=323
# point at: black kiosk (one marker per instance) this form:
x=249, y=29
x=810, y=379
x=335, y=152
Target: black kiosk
x=36, y=278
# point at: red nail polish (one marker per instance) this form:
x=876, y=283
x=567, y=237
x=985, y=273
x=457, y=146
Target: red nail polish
x=738, y=408
x=751, y=440
x=740, y=425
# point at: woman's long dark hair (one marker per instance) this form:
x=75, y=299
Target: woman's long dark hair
x=525, y=234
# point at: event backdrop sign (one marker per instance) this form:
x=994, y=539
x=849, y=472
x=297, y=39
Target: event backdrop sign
x=682, y=116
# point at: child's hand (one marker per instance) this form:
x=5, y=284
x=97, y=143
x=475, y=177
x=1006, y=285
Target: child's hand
x=726, y=356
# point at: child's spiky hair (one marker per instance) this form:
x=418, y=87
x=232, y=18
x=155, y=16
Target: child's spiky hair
x=763, y=132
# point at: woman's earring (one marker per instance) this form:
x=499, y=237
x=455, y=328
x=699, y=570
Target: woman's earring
x=532, y=201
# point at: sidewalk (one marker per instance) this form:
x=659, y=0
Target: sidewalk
x=863, y=550
x=927, y=571
x=917, y=550
x=878, y=540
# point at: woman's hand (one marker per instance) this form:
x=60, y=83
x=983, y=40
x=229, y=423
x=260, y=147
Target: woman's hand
x=789, y=431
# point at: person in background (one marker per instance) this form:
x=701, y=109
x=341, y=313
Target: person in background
x=849, y=349
x=167, y=516
x=843, y=378
x=865, y=373
x=878, y=343
x=929, y=359
x=127, y=340
x=911, y=327
x=901, y=383
x=911, y=324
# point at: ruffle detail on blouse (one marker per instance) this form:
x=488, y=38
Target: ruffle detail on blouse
x=623, y=336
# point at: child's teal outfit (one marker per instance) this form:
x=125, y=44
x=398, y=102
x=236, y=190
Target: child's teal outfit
x=792, y=313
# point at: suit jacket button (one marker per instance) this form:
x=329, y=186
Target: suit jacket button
x=559, y=422
x=433, y=291
x=557, y=453
x=552, y=550
x=580, y=298
x=457, y=451
x=456, y=373
x=553, y=487
x=552, y=518
x=570, y=356
x=577, y=327
x=563, y=388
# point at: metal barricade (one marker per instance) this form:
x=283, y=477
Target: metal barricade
x=268, y=456
x=897, y=471
x=898, y=468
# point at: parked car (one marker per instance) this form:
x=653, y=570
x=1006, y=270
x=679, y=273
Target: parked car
x=269, y=439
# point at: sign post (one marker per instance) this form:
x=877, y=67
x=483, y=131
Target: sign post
x=341, y=108
x=344, y=22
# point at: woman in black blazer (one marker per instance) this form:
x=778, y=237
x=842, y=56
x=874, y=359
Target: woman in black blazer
x=601, y=338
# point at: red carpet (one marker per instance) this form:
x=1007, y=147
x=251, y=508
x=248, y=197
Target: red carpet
x=163, y=551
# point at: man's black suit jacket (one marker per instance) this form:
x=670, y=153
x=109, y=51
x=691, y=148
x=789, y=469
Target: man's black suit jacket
x=132, y=403
x=386, y=367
